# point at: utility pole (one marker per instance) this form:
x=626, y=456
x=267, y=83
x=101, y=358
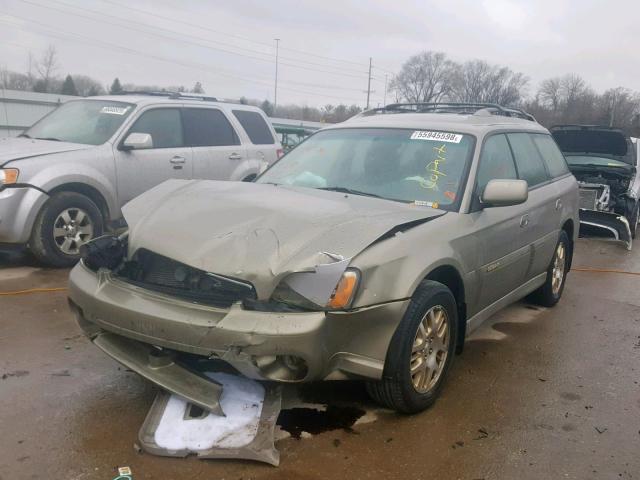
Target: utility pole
x=369, y=84
x=275, y=93
x=384, y=102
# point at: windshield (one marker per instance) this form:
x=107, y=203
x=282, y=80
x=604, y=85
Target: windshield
x=587, y=160
x=423, y=167
x=91, y=122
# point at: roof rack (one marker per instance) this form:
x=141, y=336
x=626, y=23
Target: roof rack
x=171, y=95
x=451, y=107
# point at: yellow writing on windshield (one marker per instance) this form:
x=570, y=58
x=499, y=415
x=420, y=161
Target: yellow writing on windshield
x=434, y=171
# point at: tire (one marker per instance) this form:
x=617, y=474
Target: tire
x=396, y=390
x=61, y=212
x=549, y=293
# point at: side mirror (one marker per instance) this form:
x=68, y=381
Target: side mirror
x=503, y=193
x=137, y=141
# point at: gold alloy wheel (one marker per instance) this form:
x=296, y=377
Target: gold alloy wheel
x=430, y=349
x=557, y=274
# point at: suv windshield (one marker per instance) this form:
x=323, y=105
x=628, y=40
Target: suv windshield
x=425, y=167
x=91, y=122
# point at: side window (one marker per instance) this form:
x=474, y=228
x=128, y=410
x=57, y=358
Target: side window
x=496, y=162
x=528, y=160
x=208, y=127
x=164, y=126
x=556, y=163
x=255, y=126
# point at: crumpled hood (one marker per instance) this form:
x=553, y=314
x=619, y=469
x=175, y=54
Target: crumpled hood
x=20, y=148
x=259, y=232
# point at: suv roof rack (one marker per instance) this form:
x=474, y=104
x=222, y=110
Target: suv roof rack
x=452, y=107
x=171, y=95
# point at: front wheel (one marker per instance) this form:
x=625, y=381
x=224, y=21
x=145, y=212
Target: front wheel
x=551, y=291
x=67, y=221
x=421, y=351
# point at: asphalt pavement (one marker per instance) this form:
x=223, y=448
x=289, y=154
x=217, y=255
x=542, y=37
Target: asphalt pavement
x=537, y=394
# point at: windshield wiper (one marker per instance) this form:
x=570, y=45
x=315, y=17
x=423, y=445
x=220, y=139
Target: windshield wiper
x=350, y=190
x=24, y=135
x=49, y=138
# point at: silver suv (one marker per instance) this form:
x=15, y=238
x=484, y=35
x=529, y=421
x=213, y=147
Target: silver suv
x=64, y=181
x=369, y=251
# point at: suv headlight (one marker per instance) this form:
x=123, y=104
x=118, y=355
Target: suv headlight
x=8, y=176
x=316, y=295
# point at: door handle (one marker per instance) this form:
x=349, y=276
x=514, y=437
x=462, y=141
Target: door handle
x=558, y=204
x=524, y=220
x=177, y=159
x=235, y=156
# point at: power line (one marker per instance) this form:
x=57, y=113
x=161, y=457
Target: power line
x=157, y=34
x=146, y=12
x=65, y=36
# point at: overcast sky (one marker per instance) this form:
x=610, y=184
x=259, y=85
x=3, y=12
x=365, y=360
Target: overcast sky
x=325, y=44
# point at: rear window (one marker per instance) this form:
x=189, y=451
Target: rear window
x=255, y=126
x=551, y=155
x=207, y=127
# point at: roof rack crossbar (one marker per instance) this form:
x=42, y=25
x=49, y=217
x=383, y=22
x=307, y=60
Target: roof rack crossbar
x=171, y=95
x=471, y=108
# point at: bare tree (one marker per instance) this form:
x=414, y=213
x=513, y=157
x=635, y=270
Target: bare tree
x=46, y=68
x=550, y=93
x=479, y=81
x=87, y=86
x=425, y=77
x=14, y=80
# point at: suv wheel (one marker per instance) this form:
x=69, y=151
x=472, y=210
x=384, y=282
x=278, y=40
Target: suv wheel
x=551, y=291
x=67, y=221
x=421, y=351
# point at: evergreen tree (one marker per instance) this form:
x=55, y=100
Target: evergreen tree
x=68, y=87
x=116, y=87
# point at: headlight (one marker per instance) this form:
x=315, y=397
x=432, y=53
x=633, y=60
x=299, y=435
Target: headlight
x=315, y=291
x=8, y=176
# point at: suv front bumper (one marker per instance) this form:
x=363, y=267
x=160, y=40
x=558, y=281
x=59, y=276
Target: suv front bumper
x=291, y=347
x=19, y=207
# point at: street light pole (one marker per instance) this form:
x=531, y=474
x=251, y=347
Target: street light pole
x=369, y=84
x=275, y=93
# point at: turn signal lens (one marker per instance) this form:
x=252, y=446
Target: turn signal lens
x=8, y=176
x=280, y=153
x=345, y=291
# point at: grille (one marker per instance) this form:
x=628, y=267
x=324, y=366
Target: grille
x=588, y=197
x=161, y=274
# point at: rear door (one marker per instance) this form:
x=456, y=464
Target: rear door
x=503, y=247
x=263, y=146
x=139, y=170
x=542, y=208
x=216, y=146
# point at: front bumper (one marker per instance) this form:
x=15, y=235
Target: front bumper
x=610, y=224
x=261, y=345
x=19, y=207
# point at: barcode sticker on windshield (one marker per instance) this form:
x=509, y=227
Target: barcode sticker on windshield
x=114, y=110
x=440, y=136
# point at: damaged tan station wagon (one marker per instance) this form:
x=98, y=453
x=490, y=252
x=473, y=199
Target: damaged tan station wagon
x=368, y=252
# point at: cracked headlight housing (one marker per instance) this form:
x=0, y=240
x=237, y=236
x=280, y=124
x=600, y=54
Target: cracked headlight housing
x=319, y=295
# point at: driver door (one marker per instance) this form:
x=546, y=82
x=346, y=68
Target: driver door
x=140, y=170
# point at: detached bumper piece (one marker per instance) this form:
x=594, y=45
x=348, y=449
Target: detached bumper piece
x=160, y=368
x=608, y=224
x=174, y=429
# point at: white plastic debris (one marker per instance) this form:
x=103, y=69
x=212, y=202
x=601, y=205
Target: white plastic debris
x=242, y=400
